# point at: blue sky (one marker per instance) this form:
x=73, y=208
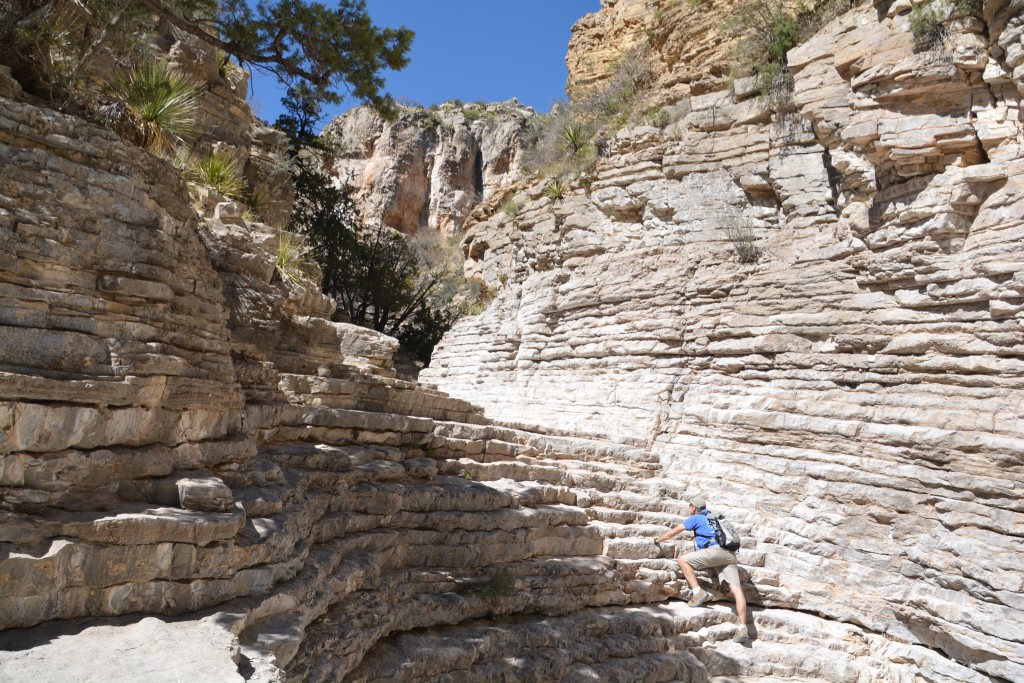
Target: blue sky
x=470, y=50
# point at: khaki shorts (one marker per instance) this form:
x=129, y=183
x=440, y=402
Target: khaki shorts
x=719, y=559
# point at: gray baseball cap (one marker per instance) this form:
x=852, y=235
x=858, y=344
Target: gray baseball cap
x=698, y=502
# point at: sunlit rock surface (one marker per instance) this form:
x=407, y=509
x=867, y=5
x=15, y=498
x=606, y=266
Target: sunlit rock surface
x=192, y=453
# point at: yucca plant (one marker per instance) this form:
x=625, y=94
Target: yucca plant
x=574, y=139
x=219, y=171
x=555, y=190
x=294, y=259
x=258, y=199
x=159, y=105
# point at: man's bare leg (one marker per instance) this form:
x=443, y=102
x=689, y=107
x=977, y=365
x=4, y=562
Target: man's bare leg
x=741, y=604
x=689, y=574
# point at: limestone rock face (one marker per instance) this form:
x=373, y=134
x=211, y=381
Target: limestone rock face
x=192, y=452
x=852, y=394
x=428, y=169
x=690, y=51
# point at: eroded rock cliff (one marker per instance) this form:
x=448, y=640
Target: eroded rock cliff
x=193, y=456
x=853, y=396
x=430, y=167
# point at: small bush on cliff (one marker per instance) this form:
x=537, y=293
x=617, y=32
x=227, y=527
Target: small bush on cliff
x=740, y=232
x=501, y=585
x=294, y=262
x=767, y=30
x=218, y=170
x=927, y=25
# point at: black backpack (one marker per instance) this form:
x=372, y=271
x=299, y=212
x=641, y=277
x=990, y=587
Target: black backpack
x=725, y=534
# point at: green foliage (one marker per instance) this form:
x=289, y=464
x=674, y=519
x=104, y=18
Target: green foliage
x=767, y=31
x=259, y=199
x=512, y=208
x=659, y=117
x=325, y=50
x=218, y=170
x=775, y=85
x=304, y=43
x=555, y=190
x=159, y=106
x=927, y=25
x=574, y=139
x=966, y=7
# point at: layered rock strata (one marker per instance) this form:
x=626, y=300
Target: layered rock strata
x=852, y=396
x=191, y=451
x=430, y=167
x=203, y=445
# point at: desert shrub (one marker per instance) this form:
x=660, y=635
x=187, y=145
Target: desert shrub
x=969, y=6
x=258, y=199
x=511, y=208
x=568, y=140
x=659, y=117
x=775, y=85
x=740, y=233
x=501, y=585
x=767, y=30
x=157, y=106
x=927, y=26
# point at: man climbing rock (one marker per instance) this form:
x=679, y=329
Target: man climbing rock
x=708, y=555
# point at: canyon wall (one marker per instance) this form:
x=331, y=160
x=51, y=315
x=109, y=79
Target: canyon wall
x=203, y=477
x=430, y=167
x=853, y=395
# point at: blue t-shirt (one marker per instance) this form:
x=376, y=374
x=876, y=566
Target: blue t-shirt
x=704, y=535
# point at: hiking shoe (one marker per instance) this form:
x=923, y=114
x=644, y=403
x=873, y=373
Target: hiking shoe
x=699, y=598
x=742, y=637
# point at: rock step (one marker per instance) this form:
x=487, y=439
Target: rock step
x=373, y=393
x=555, y=447
x=420, y=598
x=601, y=477
x=628, y=644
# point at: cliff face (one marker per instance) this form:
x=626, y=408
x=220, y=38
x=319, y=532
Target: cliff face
x=689, y=49
x=428, y=169
x=853, y=396
x=202, y=476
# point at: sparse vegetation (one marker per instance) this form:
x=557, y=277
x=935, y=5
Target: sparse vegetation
x=555, y=190
x=969, y=6
x=740, y=232
x=258, y=200
x=511, y=208
x=768, y=30
x=294, y=262
x=659, y=117
x=927, y=25
x=568, y=141
x=501, y=585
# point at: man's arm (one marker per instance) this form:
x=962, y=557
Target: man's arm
x=671, y=533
